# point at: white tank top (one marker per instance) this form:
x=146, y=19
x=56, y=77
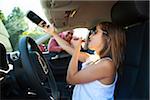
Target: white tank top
x=94, y=90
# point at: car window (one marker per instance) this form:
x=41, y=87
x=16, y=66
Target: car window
x=14, y=24
x=4, y=37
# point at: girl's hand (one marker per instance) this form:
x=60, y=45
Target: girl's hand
x=48, y=28
x=76, y=42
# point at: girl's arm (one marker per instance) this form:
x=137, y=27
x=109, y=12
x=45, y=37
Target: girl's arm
x=73, y=65
x=64, y=44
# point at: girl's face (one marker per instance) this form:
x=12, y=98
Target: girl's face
x=96, y=40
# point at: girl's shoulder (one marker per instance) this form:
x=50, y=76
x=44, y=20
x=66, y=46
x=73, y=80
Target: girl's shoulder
x=106, y=59
x=106, y=63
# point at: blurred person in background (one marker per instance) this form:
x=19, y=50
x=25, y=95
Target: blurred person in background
x=53, y=46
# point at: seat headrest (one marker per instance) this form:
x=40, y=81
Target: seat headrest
x=126, y=13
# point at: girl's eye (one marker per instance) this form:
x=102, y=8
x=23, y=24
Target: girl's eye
x=105, y=32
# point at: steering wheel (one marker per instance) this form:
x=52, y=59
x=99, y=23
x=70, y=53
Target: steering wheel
x=37, y=69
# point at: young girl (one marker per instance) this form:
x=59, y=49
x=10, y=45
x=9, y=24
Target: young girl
x=96, y=80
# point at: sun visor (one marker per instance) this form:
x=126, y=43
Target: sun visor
x=126, y=13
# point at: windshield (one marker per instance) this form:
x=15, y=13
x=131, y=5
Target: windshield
x=14, y=24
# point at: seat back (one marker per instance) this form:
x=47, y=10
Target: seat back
x=3, y=61
x=133, y=80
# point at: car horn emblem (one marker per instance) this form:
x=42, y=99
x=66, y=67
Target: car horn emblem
x=42, y=63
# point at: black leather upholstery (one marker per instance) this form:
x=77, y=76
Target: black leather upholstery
x=133, y=82
x=3, y=61
x=134, y=38
x=141, y=88
x=135, y=71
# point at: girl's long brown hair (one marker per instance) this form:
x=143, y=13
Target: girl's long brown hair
x=115, y=42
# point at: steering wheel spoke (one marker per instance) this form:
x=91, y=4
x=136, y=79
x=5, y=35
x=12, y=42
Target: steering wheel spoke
x=37, y=69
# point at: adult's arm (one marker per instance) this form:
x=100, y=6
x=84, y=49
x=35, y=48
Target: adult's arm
x=53, y=46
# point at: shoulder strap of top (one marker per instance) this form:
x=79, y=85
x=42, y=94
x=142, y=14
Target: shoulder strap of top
x=102, y=59
x=106, y=58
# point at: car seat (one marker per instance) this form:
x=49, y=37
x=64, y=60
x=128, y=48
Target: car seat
x=133, y=81
x=3, y=61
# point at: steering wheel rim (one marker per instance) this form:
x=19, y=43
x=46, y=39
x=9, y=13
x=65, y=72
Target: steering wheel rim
x=33, y=76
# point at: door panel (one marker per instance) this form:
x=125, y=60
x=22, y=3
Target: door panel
x=59, y=64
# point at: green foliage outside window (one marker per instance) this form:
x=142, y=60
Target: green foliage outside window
x=2, y=17
x=17, y=27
